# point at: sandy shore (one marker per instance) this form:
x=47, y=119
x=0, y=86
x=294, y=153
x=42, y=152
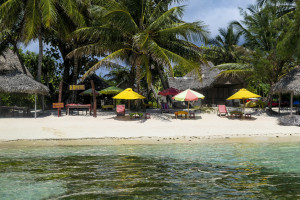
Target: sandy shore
x=107, y=129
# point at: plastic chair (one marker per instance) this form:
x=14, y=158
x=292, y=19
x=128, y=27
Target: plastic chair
x=120, y=109
x=222, y=110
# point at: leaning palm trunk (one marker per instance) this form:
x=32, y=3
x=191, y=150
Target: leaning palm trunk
x=75, y=74
x=164, y=84
x=16, y=50
x=40, y=61
x=154, y=93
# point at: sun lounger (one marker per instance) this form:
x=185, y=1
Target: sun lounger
x=120, y=110
x=222, y=110
x=164, y=108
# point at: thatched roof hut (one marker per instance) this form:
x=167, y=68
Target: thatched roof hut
x=99, y=83
x=289, y=83
x=209, y=79
x=16, y=79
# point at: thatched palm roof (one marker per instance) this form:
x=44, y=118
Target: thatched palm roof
x=14, y=80
x=209, y=79
x=209, y=74
x=99, y=83
x=10, y=63
x=289, y=83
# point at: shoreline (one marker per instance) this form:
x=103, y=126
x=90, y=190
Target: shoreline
x=107, y=129
x=112, y=141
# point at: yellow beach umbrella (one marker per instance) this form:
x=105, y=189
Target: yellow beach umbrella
x=128, y=94
x=243, y=94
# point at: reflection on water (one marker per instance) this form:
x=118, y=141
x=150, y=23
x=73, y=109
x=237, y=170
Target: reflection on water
x=222, y=171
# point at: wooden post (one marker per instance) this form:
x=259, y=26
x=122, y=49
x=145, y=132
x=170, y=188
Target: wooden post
x=279, y=106
x=59, y=97
x=292, y=94
x=35, y=106
x=94, y=99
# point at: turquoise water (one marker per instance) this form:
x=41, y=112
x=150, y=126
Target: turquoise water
x=193, y=171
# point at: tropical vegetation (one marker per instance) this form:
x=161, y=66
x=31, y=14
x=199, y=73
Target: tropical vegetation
x=140, y=43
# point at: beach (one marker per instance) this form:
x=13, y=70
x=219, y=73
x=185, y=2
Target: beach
x=107, y=129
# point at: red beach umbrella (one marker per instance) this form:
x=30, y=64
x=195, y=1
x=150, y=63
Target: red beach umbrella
x=169, y=91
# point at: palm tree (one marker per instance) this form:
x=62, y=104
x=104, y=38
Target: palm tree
x=140, y=33
x=226, y=42
x=264, y=29
x=35, y=16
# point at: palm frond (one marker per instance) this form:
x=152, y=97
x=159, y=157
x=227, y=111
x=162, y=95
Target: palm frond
x=103, y=63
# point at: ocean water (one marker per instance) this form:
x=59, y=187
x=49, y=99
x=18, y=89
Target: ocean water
x=175, y=171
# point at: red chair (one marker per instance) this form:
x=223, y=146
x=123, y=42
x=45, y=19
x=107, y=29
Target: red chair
x=222, y=110
x=120, y=110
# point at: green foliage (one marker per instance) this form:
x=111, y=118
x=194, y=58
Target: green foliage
x=261, y=104
x=155, y=37
x=290, y=45
x=50, y=67
x=23, y=100
x=180, y=71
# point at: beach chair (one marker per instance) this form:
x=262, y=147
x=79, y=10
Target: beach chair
x=222, y=110
x=120, y=109
x=164, y=108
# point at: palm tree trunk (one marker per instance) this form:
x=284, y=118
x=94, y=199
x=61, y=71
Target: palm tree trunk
x=164, y=83
x=40, y=60
x=16, y=50
x=154, y=93
x=75, y=75
x=138, y=80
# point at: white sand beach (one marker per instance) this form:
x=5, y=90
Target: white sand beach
x=161, y=128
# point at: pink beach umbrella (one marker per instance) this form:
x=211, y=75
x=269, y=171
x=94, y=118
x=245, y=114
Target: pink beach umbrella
x=188, y=95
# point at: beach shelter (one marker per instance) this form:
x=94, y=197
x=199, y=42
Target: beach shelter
x=289, y=84
x=128, y=94
x=111, y=90
x=15, y=77
x=89, y=92
x=188, y=95
x=243, y=94
x=169, y=91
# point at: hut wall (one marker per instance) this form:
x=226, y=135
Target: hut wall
x=219, y=93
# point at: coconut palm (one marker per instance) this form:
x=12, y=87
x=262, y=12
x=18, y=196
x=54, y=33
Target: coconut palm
x=226, y=42
x=34, y=16
x=140, y=33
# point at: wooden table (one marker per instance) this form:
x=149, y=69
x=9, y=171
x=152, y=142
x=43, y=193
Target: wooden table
x=180, y=113
x=78, y=106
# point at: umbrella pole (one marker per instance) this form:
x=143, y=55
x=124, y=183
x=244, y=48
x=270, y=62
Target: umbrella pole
x=188, y=106
x=244, y=104
x=128, y=105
